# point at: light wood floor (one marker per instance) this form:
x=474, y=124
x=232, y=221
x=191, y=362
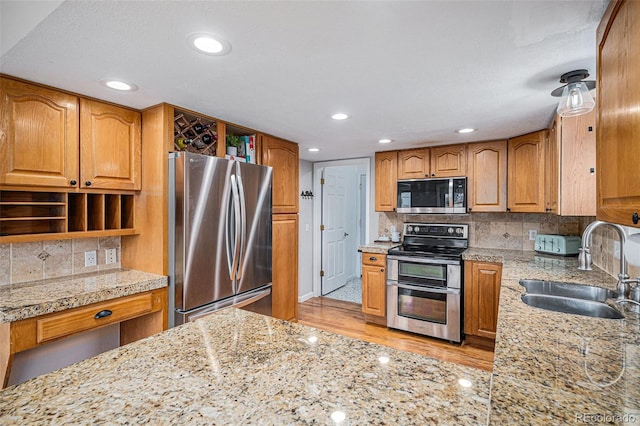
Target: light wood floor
x=346, y=318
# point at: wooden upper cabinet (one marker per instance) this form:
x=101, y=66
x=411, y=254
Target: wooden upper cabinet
x=449, y=161
x=413, y=163
x=487, y=176
x=526, y=173
x=618, y=88
x=38, y=136
x=283, y=157
x=386, y=170
x=110, y=147
x=552, y=168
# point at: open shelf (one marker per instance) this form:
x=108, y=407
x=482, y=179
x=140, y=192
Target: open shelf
x=29, y=216
x=194, y=133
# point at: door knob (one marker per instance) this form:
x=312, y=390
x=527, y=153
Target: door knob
x=346, y=235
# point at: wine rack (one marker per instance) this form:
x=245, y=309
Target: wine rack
x=194, y=133
x=32, y=216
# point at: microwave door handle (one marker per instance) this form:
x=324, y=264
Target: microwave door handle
x=450, y=192
x=428, y=289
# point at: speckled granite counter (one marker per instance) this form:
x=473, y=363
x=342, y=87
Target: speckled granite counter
x=236, y=367
x=554, y=368
x=380, y=247
x=30, y=299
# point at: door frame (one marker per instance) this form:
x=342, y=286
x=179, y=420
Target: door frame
x=317, y=210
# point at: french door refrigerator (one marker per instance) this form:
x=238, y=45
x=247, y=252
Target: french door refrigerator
x=219, y=236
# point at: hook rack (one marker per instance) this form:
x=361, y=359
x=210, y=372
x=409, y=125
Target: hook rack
x=306, y=195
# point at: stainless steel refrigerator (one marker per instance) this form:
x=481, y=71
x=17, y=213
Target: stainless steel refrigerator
x=219, y=236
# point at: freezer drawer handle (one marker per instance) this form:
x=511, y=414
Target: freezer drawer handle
x=103, y=314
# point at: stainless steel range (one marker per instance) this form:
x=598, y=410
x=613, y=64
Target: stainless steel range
x=424, y=284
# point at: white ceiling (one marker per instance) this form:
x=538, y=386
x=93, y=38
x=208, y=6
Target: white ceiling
x=410, y=71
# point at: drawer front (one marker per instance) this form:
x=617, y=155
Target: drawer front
x=97, y=315
x=374, y=259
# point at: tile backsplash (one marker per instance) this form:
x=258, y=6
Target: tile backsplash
x=511, y=231
x=20, y=262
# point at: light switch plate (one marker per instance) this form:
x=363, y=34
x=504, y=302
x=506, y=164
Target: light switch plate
x=90, y=258
x=532, y=234
x=110, y=256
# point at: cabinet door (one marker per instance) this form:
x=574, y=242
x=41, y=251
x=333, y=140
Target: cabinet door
x=552, y=168
x=449, y=161
x=578, y=162
x=618, y=86
x=526, y=173
x=373, y=290
x=386, y=181
x=481, y=298
x=110, y=147
x=285, y=267
x=487, y=173
x=283, y=157
x=413, y=163
x=38, y=136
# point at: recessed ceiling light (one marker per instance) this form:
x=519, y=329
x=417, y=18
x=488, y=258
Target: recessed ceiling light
x=118, y=85
x=384, y=141
x=465, y=130
x=209, y=44
x=340, y=116
x=314, y=149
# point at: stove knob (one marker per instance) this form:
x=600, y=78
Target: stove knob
x=459, y=231
x=409, y=229
x=450, y=230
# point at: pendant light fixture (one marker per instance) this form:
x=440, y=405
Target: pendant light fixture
x=576, y=99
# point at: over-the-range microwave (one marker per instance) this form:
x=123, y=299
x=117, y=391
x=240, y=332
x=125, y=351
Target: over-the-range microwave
x=436, y=195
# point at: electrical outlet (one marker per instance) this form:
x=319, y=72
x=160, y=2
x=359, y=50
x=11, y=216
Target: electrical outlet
x=616, y=249
x=532, y=234
x=90, y=258
x=110, y=256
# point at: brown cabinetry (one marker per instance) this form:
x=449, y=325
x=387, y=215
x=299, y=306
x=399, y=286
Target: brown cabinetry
x=386, y=170
x=283, y=157
x=481, y=297
x=413, y=163
x=374, y=285
x=618, y=88
x=552, y=167
x=487, y=176
x=526, y=173
x=39, y=131
x=140, y=315
x=109, y=146
x=285, y=267
x=449, y=161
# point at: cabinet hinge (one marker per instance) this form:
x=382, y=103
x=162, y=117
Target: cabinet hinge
x=322, y=273
x=322, y=227
x=321, y=181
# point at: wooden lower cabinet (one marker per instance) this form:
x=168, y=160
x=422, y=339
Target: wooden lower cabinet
x=140, y=315
x=481, y=297
x=374, y=286
x=285, y=267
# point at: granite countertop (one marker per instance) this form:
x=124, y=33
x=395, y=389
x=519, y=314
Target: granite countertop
x=237, y=367
x=34, y=298
x=378, y=247
x=555, y=368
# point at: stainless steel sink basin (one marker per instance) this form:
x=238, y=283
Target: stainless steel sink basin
x=572, y=306
x=562, y=289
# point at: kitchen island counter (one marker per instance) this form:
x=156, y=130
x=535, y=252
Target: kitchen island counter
x=237, y=367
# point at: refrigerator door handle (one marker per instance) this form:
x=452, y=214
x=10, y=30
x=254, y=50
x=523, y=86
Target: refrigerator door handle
x=227, y=234
x=243, y=225
x=236, y=248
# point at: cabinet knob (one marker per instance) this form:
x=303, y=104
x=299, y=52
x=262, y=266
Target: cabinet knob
x=73, y=182
x=88, y=183
x=373, y=258
x=433, y=174
x=635, y=218
x=381, y=270
x=508, y=209
x=469, y=209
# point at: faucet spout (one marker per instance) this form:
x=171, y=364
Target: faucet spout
x=584, y=256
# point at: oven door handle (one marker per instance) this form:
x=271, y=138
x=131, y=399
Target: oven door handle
x=423, y=260
x=429, y=289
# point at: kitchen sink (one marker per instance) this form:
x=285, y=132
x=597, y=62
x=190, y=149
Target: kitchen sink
x=570, y=290
x=571, y=305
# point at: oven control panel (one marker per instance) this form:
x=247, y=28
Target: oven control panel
x=443, y=230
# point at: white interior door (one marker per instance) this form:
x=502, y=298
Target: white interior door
x=335, y=234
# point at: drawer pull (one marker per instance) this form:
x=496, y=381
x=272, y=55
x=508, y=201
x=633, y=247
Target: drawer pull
x=373, y=258
x=103, y=314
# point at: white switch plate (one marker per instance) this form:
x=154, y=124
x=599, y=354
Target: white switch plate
x=616, y=249
x=532, y=234
x=90, y=258
x=110, y=256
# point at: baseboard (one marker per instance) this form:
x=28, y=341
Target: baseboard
x=305, y=297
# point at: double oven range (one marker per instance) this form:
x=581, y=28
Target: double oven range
x=424, y=280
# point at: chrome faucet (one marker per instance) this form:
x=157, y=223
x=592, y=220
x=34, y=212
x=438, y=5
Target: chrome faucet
x=585, y=261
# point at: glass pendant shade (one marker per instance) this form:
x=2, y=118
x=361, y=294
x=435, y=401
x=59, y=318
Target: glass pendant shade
x=576, y=100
